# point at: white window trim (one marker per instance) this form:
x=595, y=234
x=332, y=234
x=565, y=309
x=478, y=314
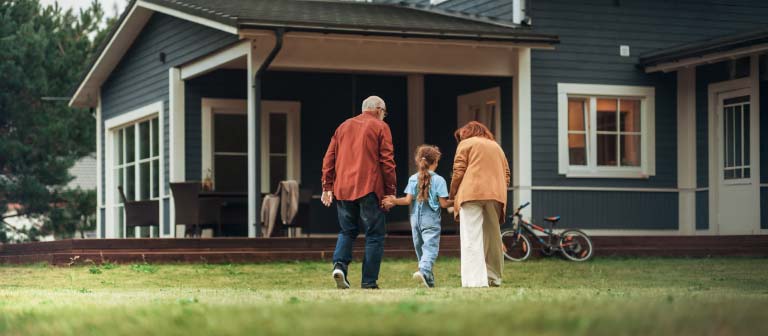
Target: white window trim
x=146, y=112
x=293, y=146
x=647, y=96
x=239, y=106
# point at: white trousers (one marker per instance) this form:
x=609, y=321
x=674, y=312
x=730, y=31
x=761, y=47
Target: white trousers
x=482, y=259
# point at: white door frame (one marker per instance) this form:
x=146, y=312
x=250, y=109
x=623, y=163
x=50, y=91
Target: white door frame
x=239, y=106
x=715, y=91
x=463, y=102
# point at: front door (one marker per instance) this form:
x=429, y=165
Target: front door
x=483, y=106
x=737, y=181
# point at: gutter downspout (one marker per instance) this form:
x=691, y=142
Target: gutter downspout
x=279, y=32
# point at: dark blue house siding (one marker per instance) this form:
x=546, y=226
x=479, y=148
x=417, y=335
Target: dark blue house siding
x=141, y=78
x=608, y=209
x=591, y=32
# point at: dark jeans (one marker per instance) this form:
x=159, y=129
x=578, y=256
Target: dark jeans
x=364, y=211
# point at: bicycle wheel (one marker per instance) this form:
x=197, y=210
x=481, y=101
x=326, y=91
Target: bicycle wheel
x=575, y=245
x=516, y=246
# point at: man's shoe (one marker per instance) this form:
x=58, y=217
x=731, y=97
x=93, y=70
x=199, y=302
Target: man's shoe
x=374, y=286
x=340, y=276
x=494, y=283
x=423, y=279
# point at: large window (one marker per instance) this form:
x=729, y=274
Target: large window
x=136, y=166
x=606, y=131
x=225, y=143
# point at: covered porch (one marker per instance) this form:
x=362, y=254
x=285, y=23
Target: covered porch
x=263, y=111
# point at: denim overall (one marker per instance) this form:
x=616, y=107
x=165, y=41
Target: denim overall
x=425, y=226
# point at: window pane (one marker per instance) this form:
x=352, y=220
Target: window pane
x=746, y=172
x=130, y=150
x=727, y=134
x=745, y=108
x=155, y=137
x=144, y=177
x=606, y=114
x=577, y=149
x=737, y=135
x=119, y=148
x=156, y=178
x=231, y=172
x=120, y=221
x=144, y=144
x=230, y=133
x=630, y=115
x=728, y=174
x=737, y=173
x=130, y=184
x=606, y=150
x=576, y=114
x=277, y=170
x=120, y=183
x=630, y=150
x=278, y=123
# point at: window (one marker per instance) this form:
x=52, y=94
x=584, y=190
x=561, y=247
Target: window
x=136, y=165
x=281, y=143
x=606, y=131
x=230, y=156
x=736, y=139
x=225, y=145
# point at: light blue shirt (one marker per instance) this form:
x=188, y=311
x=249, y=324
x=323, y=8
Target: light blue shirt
x=437, y=188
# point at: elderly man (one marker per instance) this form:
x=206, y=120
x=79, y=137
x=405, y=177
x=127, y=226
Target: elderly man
x=359, y=170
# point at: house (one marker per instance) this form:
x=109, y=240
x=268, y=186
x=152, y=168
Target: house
x=611, y=111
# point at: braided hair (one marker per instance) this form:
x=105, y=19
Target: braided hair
x=426, y=156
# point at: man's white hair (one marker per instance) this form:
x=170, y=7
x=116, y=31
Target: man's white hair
x=372, y=103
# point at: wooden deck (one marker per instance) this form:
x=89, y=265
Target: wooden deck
x=240, y=250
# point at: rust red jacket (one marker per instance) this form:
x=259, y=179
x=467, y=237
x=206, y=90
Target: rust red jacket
x=360, y=159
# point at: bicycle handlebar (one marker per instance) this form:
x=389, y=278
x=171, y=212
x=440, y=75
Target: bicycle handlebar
x=524, y=205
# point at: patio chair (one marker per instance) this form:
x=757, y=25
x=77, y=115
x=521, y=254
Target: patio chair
x=140, y=213
x=194, y=212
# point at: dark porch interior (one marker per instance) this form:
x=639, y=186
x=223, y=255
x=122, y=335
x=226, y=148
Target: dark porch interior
x=327, y=99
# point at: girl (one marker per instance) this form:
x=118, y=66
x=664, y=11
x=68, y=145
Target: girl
x=428, y=193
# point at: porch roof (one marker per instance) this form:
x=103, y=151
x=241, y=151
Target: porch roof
x=709, y=50
x=354, y=17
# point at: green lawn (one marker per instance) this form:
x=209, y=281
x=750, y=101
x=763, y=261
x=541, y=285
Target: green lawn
x=613, y=296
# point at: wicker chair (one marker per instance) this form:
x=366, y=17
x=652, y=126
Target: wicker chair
x=140, y=213
x=194, y=212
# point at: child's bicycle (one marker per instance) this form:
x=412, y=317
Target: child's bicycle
x=572, y=244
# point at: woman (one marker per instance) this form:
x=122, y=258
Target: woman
x=479, y=188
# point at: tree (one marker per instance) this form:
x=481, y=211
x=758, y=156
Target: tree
x=75, y=212
x=43, y=53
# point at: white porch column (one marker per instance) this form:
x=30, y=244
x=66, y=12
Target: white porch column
x=176, y=141
x=521, y=131
x=686, y=149
x=252, y=159
x=415, y=117
x=99, y=171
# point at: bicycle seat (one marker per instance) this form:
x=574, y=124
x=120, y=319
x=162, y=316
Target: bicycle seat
x=552, y=219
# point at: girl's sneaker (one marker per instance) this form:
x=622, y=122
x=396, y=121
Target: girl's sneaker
x=424, y=278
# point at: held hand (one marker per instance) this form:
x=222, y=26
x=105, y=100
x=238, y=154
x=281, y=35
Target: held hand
x=327, y=198
x=387, y=202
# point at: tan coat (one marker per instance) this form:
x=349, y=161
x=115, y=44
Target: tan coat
x=480, y=173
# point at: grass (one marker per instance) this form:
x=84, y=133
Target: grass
x=613, y=296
